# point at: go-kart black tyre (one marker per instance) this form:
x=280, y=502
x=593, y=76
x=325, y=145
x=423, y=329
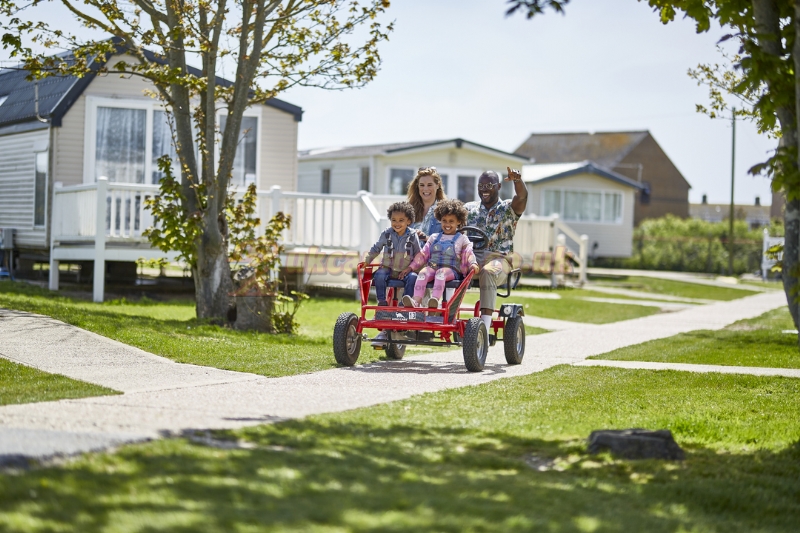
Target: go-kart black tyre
x=514, y=340
x=395, y=351
x=476, y=345
x=346, y=339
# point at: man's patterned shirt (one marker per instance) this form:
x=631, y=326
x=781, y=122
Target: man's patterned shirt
x=499, y=223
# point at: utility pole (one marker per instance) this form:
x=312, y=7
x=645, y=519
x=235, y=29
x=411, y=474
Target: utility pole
x=733, y=166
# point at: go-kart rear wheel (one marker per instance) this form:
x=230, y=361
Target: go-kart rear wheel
x=395, y=351
x=514, y=340
x=476, y=344
x=346, y=339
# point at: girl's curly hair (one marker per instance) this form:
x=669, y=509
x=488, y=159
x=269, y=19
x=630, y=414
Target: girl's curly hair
x=402, y=207
x=451, y=207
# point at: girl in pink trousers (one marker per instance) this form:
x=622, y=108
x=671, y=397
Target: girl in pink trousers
x=446, y=256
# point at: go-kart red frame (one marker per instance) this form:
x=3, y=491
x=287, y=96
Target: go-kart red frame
x=470, y=333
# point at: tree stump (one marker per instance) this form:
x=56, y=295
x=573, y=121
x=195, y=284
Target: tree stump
x=636, y=444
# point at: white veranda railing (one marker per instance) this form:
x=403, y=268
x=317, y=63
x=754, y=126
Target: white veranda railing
x=106, y=212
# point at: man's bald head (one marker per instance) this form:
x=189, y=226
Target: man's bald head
x=489, y=188
x=490, y=176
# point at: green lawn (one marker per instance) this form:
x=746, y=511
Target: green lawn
x=758, y=341
x=675, y=288
x=505, y=456
x=23, y=384
x=169, y=330
x=570, y=306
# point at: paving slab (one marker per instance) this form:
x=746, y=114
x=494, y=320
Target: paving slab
x=170, y=398
x=689, y=367
x=666, y=306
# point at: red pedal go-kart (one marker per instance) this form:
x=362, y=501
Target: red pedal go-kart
x=433, y=327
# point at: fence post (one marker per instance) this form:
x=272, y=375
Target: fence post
x=54, y=274
x=554, y=240
x=764, y=248
x=584, y=256
x=100, y=239
x=276, y=194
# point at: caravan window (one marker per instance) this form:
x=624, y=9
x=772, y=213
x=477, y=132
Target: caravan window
x=399, y=178
x=244, y=162
x=576, y=205
x=120, y=144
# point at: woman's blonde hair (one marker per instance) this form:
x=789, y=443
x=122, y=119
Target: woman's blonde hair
x=413, y=190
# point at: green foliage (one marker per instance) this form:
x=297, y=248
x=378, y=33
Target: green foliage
x=175, y=229
x=535, y=7
x=761, y=75
x=256, y=258
x=694, y=245
x=284, y=310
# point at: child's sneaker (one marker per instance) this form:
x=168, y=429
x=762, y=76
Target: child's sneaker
x=408, y=301
x=377, y=344
x=433, y=303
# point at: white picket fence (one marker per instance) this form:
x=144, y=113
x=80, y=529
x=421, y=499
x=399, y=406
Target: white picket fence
x=105, y=221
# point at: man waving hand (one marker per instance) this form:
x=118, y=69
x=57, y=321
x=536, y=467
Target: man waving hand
x=498, y=218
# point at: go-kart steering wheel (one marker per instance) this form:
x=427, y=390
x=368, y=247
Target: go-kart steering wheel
x=478, y=237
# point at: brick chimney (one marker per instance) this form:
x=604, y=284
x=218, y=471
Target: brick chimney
x=705, y=199
x=758, y=201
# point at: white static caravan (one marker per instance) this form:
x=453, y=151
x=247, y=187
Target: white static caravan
x=594, y=201
x=107, y=126
x=387, y=169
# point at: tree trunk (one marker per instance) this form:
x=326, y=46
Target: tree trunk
x=791, y=253
x=213, y=286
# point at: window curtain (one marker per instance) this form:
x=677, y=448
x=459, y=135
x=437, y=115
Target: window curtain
x=399, y=179
x=163, y=145
x=582, y=206
x=120, y=144
x=244, y=162
x=552, y=203
x=612, y=207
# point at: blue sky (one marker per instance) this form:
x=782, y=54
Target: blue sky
x=462, y=69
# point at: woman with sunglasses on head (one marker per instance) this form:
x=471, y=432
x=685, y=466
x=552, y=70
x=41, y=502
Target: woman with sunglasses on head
x=424, y=192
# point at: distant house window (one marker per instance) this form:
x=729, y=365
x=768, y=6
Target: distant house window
x=244, y=162
x=506, y=189
x=466, y=188
x=326, y=181
x=583, y=206
x=399, y=178
x=40, y=189
x=364, y=179
x=120, y=144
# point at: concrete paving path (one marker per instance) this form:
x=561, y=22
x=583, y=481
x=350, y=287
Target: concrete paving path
x=686, y=367
x=688, y=277
x=166, y=398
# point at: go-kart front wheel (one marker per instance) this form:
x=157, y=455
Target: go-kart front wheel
x=475, y=344
x=346, y=339
x=395, y=351
x=514, y=340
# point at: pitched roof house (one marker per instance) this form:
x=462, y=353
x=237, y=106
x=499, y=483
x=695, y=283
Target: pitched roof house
x=69, y=131
x=592, y=200
x=633, y=154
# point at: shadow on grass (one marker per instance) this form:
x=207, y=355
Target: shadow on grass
x=304, y=475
